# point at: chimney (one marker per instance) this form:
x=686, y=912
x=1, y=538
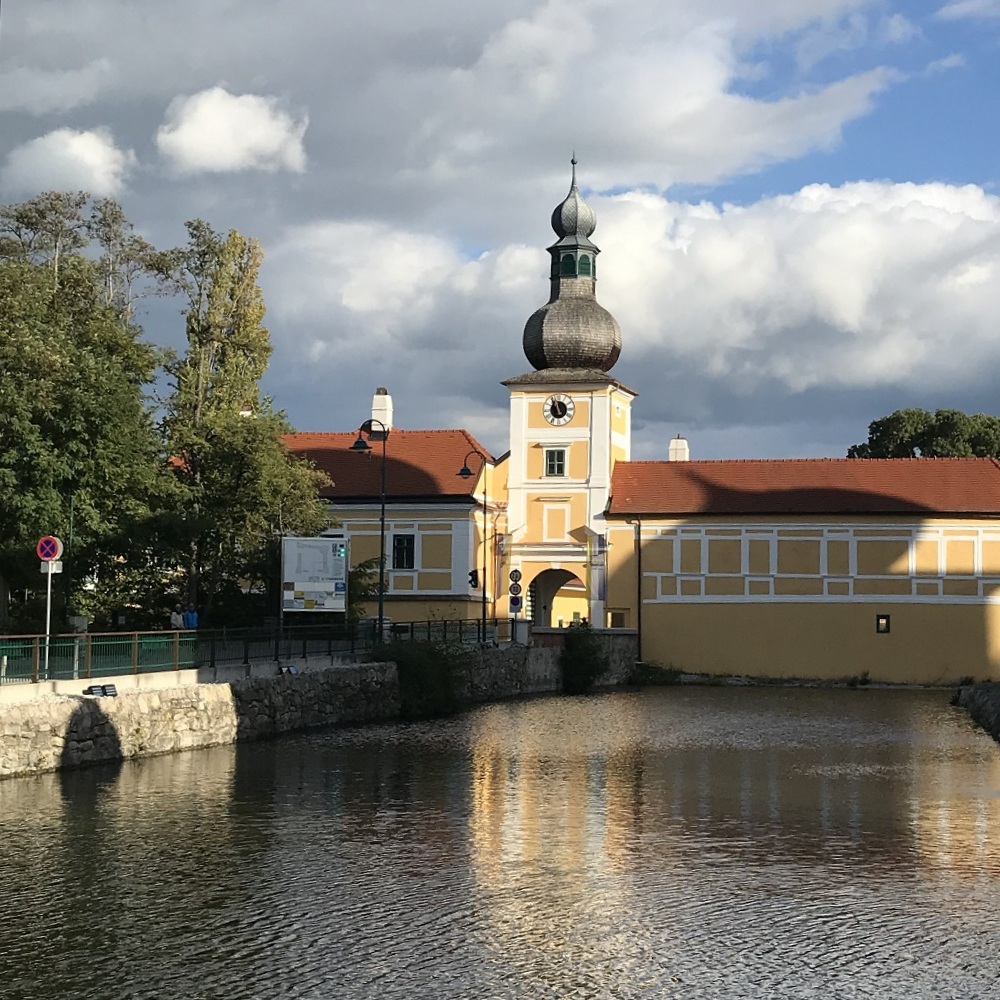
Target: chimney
x=382, y=409
x=679, y=450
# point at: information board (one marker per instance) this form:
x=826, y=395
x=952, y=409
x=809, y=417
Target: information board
x=314, y=573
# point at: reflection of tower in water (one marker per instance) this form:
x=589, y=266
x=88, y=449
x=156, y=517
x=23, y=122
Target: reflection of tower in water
x=548, y=827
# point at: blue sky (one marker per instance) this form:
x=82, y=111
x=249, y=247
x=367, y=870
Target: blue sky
x=797, y=200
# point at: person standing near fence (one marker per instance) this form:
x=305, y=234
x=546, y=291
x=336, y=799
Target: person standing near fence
x=176, y=618
x=191, y=617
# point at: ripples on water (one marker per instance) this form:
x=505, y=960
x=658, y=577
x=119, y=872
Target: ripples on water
x=708, y=843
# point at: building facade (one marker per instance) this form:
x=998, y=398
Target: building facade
x=828, y=569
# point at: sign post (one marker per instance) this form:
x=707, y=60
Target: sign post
x=514, y=590
x=49, y=549
x=515, y=602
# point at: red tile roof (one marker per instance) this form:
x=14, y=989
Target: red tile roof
x=808, y=486
x=420, y=465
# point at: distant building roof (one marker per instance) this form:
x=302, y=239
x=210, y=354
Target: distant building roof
x=420, y=465
x=807, y=486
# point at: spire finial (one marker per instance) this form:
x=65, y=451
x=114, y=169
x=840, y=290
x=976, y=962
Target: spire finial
x=573, y=161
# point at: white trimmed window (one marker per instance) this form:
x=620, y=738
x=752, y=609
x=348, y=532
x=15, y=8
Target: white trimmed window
x=555, y=461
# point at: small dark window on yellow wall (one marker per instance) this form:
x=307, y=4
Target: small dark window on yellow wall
x=882, y=624
x=402, y=551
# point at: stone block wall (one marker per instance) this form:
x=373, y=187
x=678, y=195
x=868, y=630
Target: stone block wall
x=72, y=730
x=69, y=730
x=982, y=702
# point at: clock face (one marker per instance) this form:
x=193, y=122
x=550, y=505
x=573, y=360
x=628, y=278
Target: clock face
x=558, y=409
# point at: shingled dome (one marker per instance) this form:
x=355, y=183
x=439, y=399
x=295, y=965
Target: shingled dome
x=572, y=330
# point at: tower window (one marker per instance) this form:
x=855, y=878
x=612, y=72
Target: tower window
x=584, y=264
x=402, y=551
x=568, y=265
x=555, y=461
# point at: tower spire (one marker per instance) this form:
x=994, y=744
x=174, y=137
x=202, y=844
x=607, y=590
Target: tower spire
x=572, y=330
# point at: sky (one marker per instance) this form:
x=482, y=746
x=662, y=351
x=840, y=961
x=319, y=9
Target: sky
x=797, y=200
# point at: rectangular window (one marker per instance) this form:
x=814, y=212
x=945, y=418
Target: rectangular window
x=402, y=551
x=555, y=461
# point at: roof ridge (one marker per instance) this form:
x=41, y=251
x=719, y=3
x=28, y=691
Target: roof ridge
x=838, y=459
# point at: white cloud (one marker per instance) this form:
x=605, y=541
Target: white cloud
x=68, y=160
x=219, y=132
x=958, y=10
x=895, y=29
x=438, y=141
x=839, y=290
x=949, y=62
x=865, y=285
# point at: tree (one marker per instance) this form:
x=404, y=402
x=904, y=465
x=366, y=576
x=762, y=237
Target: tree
x=79, y=455
x=45, y=229
x=362, y=588
x=241, y=488
x=913, y=433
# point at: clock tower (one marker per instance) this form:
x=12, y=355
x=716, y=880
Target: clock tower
x=570, y=421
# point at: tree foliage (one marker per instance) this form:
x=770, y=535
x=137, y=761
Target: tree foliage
x=183, y=496
x=241, y=489
x=362, y=588
x=913, y=433
x=79, y=455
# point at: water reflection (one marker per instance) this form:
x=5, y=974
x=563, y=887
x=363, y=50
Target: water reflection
x=717, y=842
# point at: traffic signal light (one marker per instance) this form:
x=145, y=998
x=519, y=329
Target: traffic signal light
x=474, y=579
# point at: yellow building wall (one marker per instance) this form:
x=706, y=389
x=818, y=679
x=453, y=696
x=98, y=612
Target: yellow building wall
x=542, y=522
x=771, y=598
x=927, y=644
x=577, y=461
x=620, y=405
x=536, y=413
x=423, y=609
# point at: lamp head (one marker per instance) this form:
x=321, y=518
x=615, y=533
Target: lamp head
x=465, y=472
x=361, y=444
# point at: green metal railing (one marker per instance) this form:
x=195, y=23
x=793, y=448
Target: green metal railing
x=108, y=654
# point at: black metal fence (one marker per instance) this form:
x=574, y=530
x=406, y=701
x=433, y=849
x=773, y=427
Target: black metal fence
x=27, y=658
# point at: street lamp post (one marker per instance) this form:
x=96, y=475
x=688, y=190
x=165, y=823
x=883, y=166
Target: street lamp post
x=466, y=473
x=361, y=446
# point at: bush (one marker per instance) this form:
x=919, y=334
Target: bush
x=430, y=676
x=582, y=659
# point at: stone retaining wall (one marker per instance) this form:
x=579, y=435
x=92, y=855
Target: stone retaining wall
x=982, y=702
x=59, y=731
x=63, y=728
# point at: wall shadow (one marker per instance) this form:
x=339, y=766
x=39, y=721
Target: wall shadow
x=820, y=588
x=91, y=738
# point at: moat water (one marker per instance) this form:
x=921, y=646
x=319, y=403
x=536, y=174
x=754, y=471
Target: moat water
x=683, y=842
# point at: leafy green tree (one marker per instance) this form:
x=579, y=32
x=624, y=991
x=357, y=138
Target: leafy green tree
x=79, y=454
x=912, y=433
x=241, y=488
x=44, y=229
x=362, y=588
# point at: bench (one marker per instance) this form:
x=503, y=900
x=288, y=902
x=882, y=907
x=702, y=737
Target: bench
x=102, y=691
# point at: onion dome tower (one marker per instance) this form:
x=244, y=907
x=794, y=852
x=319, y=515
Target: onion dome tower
x=571, y=331
x=570, y=422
